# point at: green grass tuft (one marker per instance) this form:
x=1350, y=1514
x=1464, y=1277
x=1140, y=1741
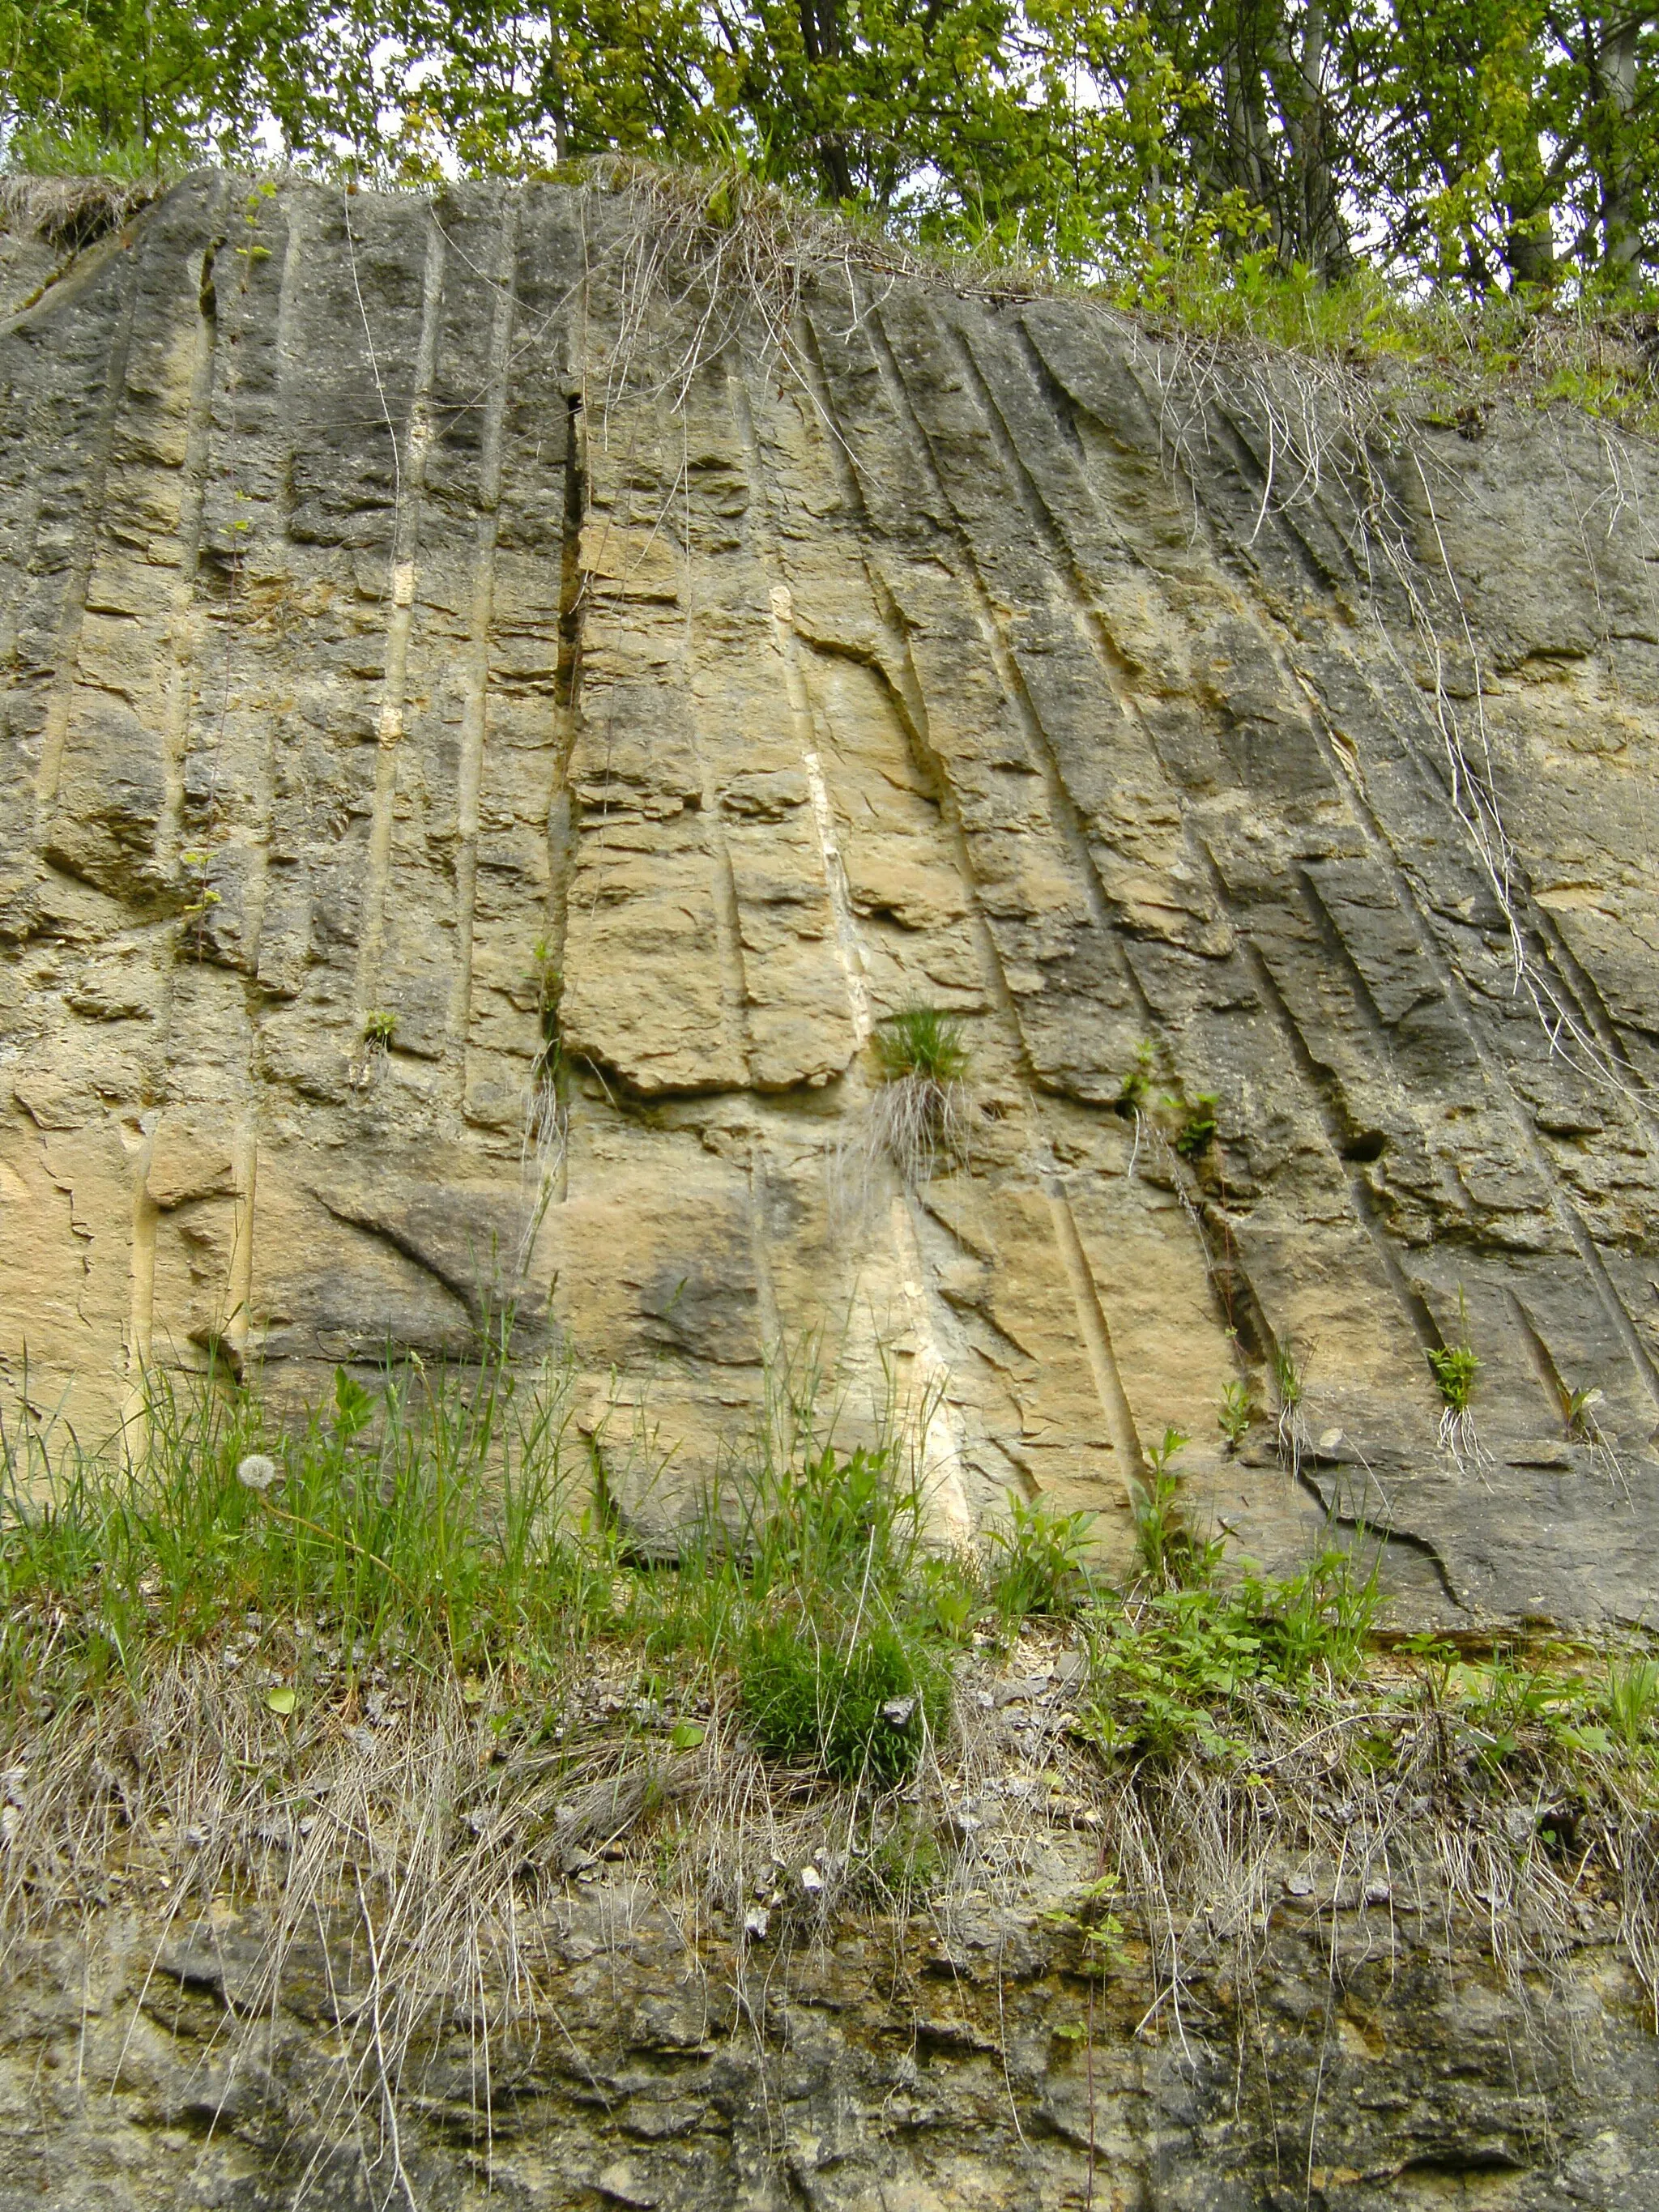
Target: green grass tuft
x=921, y=1041
x=860, y=1697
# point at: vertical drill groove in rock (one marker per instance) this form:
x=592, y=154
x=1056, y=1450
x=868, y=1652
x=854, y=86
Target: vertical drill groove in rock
x=489, y=738
x=403, y=554
x=475, y=711
x=1521, y=1115
x=89, y=524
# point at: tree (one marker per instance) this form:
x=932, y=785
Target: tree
x=1474, y=144
x=158, y=80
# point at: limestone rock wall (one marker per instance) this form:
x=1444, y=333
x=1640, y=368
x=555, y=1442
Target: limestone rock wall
x=963, y=2062
x=420, y=650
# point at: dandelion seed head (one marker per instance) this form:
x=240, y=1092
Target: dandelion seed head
x=258, y=1472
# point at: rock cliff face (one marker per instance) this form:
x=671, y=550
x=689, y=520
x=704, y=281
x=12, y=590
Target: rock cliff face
x=485, y=742
x=960, y=2064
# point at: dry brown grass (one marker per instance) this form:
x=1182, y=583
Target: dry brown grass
x=69, y=213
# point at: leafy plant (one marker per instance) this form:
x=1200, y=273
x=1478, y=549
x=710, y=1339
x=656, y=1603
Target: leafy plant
x=1164, y=1671
x=1197, y=1129
x=1099, y=1930
x=835, y=1521
x=1578, y=1412
x=954, y=1595
x=1039, y=1559
x=1319, y=1618
x=1178, y=1667
x=379, y=1027
x=1137, y=1081
x=1506, y=1701
x=1169, y=1553
x=1235, y=1413
x=1454, y=1368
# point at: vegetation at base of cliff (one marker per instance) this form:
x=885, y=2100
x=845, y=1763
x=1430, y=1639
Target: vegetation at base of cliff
x=409, y=1662
x=455, y=1527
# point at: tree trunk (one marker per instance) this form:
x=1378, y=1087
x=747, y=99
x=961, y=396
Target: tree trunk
x=1529, y=236
x=1614, y=66
x=1324, y=243
x=820, y=36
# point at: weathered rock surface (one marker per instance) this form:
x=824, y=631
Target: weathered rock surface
x=963, y=2063
x=386, y=649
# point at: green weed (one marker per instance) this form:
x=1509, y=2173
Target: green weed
x=1168, y=1551
x=954, y=1594
x=919, y=1115
x=1287, y=1379
x=1179, y=1666
x=1454, y=1368
x=1631, y=1703
x=1197, y=1131
x=429, y=1508
x=1039, y=1560
x=1137, y=1081
x=1578, y=1413
x=907, y=1863
x=1098, y=1929
x=1235, y=1413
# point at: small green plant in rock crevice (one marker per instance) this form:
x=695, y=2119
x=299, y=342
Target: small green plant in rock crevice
x=1197, y=1131
x=1289, y=1390
x=1187, y=1127
x=921, y=1041
x=1235, y=1414
x=1455, y=1367
x=919, y=1115
x=1136, y=1086
x=379, y=1027
x=546, y=1135
x=1098, y=1929
x=1168, y=1551
x=549, y=986
x=1578, y=1413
